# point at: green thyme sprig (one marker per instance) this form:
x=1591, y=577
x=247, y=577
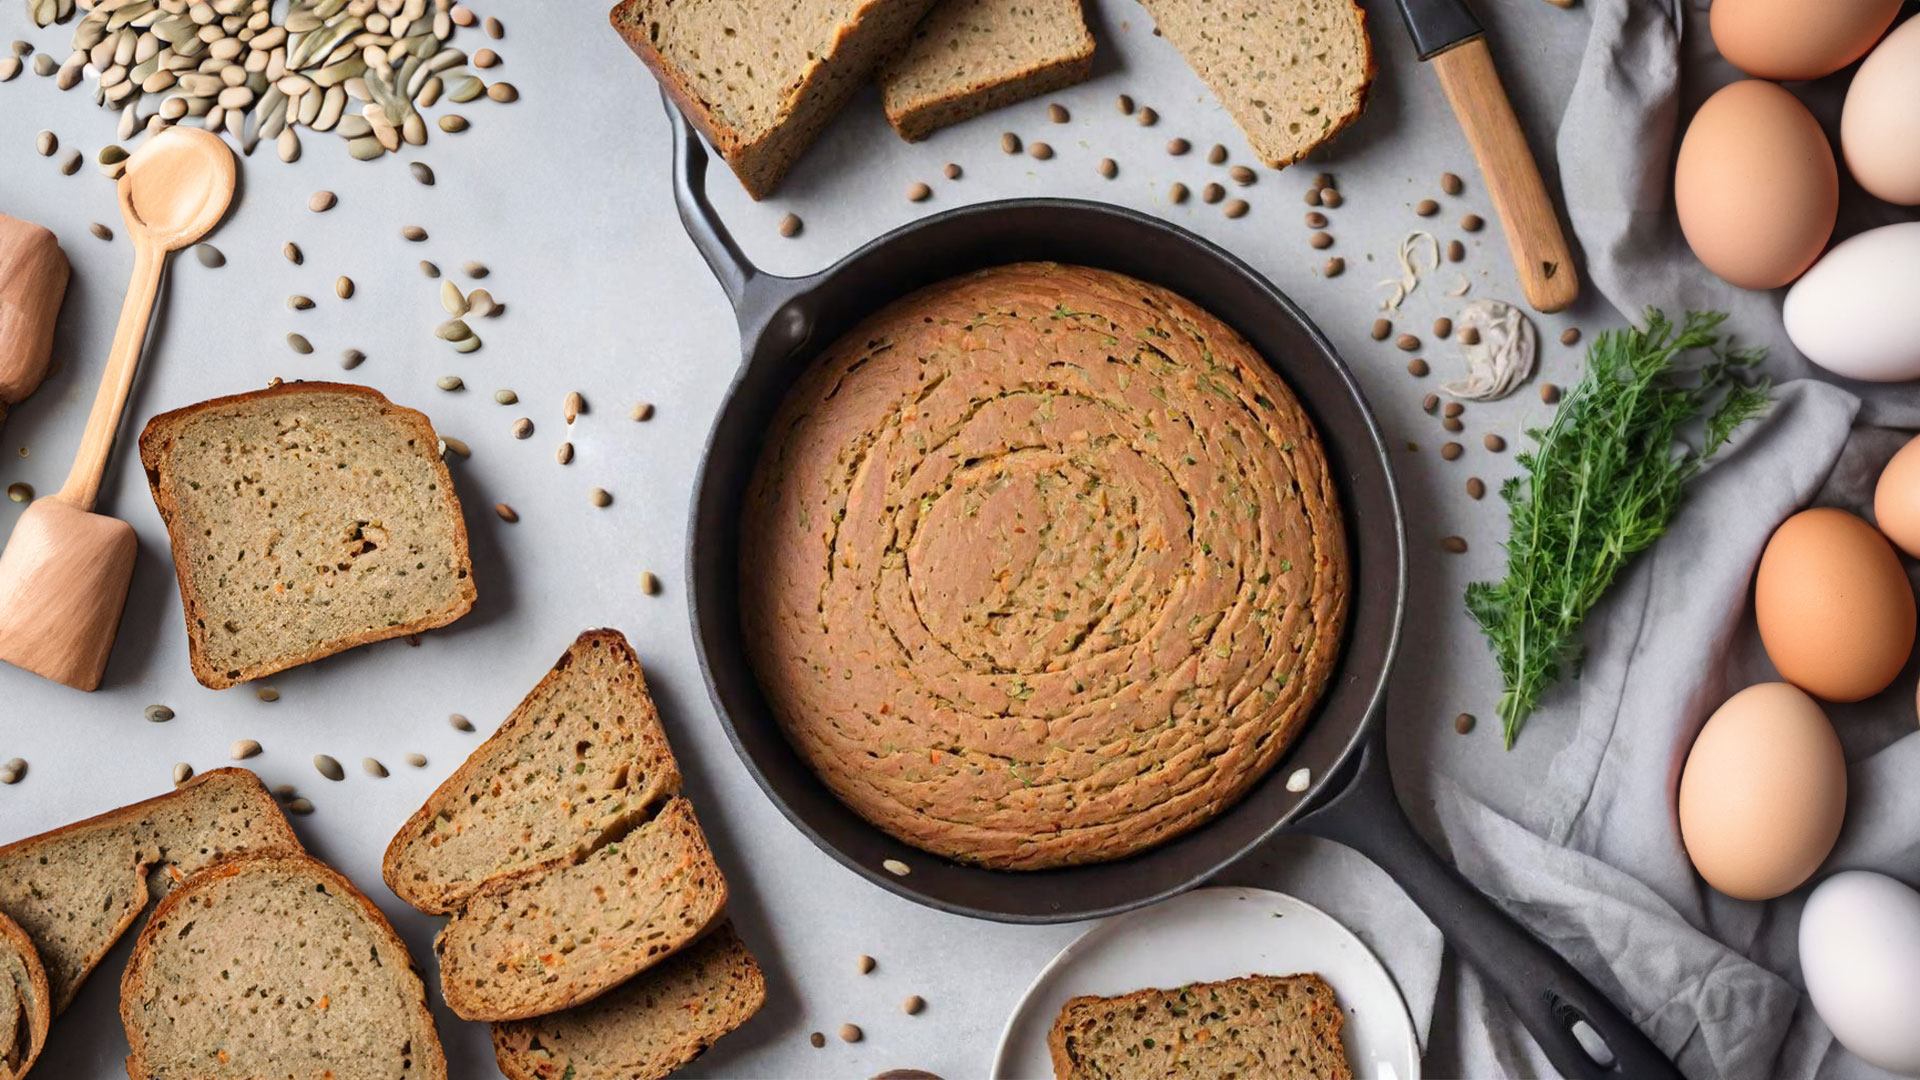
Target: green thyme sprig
x=1601, y=485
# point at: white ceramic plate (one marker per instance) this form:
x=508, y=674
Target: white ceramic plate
x=1211, y=934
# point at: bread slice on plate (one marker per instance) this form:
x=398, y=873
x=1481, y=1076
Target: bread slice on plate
x=581, y=760
x=971, y=56
x=306, y=519
x=1291, y=72
x=77, y=889
x=274, y=966
x=644, y=1030
x=760, y=80
x=544, y=940
x=26, y=1004
x=1282, y=1027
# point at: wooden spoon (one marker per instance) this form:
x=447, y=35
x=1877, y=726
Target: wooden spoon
x=65, y=572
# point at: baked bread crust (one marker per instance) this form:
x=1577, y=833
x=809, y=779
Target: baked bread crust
x=1040, y=566
x=1191, y=1022
x=156, y=444
x=429, y=1061
x=34, y=1001
x=915, y=115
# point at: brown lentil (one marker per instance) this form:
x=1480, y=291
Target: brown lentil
x=1212, y=193
x=1426, y=208
x=1177, y=193
x=1177, y=147
x=1331, y=199
x=100, y=231
x=952, y=171
x=413, y=233
x=919, y=192
x=1334, y=267
x=599, y=497
x=521, y=428
x=1040, y=152
x=1316, y=220
x=641, y=412
x=1472, y=223
x=1418, y=368
x=1108, y=168
x=459, y=723
x=1456, y=251
x=649, y=583
x=1494, y=443
x=1148, y=117
x=1242, y=175
x=1476, y=488
x=506, y=513
x=1469, y=335
x=1125, y=104
x=1320, y=241
x=1455, y=544
x=1313, y=197
x=1324, y=180
x=1058, y=114
x=1442, y=327
x=1453, y=424
x=1381, y=328
x=1406, y=343
x=1451, y=451
x=1009, y=143
x=1429, y=403
x=321, y=201
x=1463, y=723
x=864, y=965
x=563, y=453
x=850, y=1033
x=1570, y=336
x=1549, y=393
x=1454, y=408
x=790, y=225
x=1235, y=208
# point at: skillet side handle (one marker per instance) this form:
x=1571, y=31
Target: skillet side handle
x=1552, y=999
x=728, y=263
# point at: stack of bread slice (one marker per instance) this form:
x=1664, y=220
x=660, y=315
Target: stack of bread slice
x=588, y=912
x=26, y=1004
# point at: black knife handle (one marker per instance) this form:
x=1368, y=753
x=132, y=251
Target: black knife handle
x=1438, y=25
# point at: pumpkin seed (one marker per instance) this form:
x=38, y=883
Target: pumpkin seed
x=46, y=142
x=452, y=300
x=244, y=749
x=467, y=345
x=449, y=382
x=851, y=1033
x=352, y=358
x=919, y=192
x=321, y=201
x=182, y=772
x=649, y=583
x=9, y=68
x=328, y=767
x=13, y=771
x=506, y=513
x=453, y=123
x=373, y=768
x=913, y=1005
x=563, y=453
x=481, y=303
x=503, y=92
x=864, y=965
x=574, y=406
x=506, y=397
x=73, y=162
x=298, y=343
x=267, y=693
x=301, y=806
x=790, y=225
x=486, y=58
x=474, y=269
x=521, y=428
x=299, y=303
x=642, y=411
x=458, y=446
x=895, y=866
x=158, y=714
x=599, y=497
x=453, y=330
x=460, y=723
x=209, y=256
x=422, y=173
x=100, y=231
x=343, y=287
x=292, y=253
x=418, y=761
x=494, y=29
x=20, y=492
x=413, y=233
x=429, y=269
x=465, y=89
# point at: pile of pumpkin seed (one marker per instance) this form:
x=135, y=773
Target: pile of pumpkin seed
x=47, y=12
x=228, y=64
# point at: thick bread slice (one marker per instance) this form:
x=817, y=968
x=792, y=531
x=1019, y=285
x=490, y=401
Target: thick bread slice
x=76, y=889
x=580, y=761
x=306, y=519
x=275, y=966
x=1291, y=72
x=656, y=1023
x=545, y=940
x=1280, y=1027
x=26, y=1004
x=761, y=79
x=971, y=56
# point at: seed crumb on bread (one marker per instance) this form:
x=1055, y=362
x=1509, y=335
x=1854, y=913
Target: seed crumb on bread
x=968, y=57
x=305, y=519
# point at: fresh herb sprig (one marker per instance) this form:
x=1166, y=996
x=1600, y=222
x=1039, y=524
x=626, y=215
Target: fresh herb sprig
x=1601, y=485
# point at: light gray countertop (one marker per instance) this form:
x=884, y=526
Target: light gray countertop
x=565, y=195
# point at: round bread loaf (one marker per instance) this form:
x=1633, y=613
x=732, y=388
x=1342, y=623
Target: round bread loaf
x=1042, y=565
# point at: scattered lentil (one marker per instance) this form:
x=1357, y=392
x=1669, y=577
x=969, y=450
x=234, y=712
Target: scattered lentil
x=1476, y=488
x=1455, y=544
x=563, y=453
x=1108, y=168
x=1472, y=223
x=1463, y=723
x=573, y=406
x=1570, y=336
x=1320, y=241
x=158, y=714
x=1212, y=193
x=503, y=92
x=422, y=173
x=649, y=583
x=1454, y=408
x=486, y=58
x=1469, y=335
x=292, y=252
x=952, y=171
x=100, y=231
x=343, y=287
x=453, y=123
x=1549, y=393
x=1451, y=451
x=913, y=1005
x=321, y=201
x=352, y=358
x=850, y=1033
x=1331, y=199
x=459, y=723
x=267, y=694
x=791, y=225
x=301, y=806
x=1009, y=143
x=817, y=1039
x=328, y=767
x=71, y=164
x=494, y=29
x=244, y=749
x=1235, y=208
x=1429, y=403
x=865, y=964
x=1426, y=208
x=1453, y=424
x=429, y=269
x=373, y=768
x=1314, y=197
x=1406, y=343
x=46, y=143
x=1177, y=193
x=1242, y=175
x=1334, y=267
x=413, y=233
x=450, y=382
x=1456, y=251
x=521, y=428
x=1040, y=151
x=1494, y=443
x=1442, y=327
x=599, y=497
x=1125, y=104
x=298, y=343
x=9, y=774
x=1058, y=114
x=418, y=761
x=1177, y=146
x=919, y=192
x=1148, y=117
x=1316, y=220
x=1418, y=368
x=1451, y=184
x=641, y=412
x=1381, y=328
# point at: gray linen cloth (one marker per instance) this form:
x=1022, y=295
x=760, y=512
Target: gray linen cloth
x=1589, y=857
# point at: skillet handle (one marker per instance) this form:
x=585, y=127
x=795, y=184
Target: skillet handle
x=1554, y=1001
x=729, y=264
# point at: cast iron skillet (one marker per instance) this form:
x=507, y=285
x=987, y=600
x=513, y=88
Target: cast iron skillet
x=1349, y=796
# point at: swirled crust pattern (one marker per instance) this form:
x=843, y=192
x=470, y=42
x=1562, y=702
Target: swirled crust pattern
x=1041, y=566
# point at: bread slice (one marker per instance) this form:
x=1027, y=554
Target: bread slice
x=306, y=519
x=75, y=890
x=972, y=56
x=646, y=1029
x=545, y=940
x=1282, y=1027
x=1291, y=72
x=26, y=1003
x=760, y=80
x=274, y=966
x=579, y=762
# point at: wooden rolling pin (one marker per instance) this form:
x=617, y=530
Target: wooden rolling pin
x=33, y=281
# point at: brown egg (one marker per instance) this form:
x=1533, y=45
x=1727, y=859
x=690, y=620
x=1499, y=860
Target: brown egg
x=1896, y=499
x=1763, y=793
x=1756, y=185
x=1835, y=610
x=1797, y=39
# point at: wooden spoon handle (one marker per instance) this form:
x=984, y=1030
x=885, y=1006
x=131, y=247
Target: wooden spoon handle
x=1539, y=248
x=90, y=462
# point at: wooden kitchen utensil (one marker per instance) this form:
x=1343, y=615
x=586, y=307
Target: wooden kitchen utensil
x=65, y=571
x=33, y=281
x=1448, y=35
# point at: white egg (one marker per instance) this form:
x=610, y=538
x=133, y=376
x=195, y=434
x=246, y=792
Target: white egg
x=1856, y=313
x=1860, y=957
x=1880, y=126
